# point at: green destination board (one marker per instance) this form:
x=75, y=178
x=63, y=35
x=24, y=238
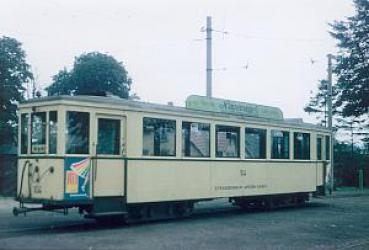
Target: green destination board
x=203, y=103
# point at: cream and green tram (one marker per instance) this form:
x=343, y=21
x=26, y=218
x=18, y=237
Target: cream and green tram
x=110, y=156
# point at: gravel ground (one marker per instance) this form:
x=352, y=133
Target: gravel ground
x=337, y=222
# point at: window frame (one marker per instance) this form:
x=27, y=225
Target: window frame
x=48, y=131
x=120, y=142
x=327, y=147
x=272, y=130
x=28, y=135
x=45, y=132
x=174, y=155
x=90, y=115
x=321, y=138
x=265, y=130
x=295, y=134
x=183, y=154
x=238, y=156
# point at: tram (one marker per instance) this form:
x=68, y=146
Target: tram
x=114, y=157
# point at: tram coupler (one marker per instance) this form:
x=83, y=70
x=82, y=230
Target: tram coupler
x=24, y=210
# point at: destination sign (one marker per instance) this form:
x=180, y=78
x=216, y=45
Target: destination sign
x=203, y=103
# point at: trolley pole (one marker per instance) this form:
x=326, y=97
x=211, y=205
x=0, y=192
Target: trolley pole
x=208, y=58
x=330, y=114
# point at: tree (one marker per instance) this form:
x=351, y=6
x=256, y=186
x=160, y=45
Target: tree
x=318, y=103
x=92, y=73
x=61, y=83
x=356, y=125
x=14, y=72
x=352, y=68
x=347, y=162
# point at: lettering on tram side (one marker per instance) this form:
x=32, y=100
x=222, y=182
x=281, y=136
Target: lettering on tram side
x=240, y=187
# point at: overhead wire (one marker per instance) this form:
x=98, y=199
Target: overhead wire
x=225, y=32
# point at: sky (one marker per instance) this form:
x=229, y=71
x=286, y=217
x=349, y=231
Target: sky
x=162, y=47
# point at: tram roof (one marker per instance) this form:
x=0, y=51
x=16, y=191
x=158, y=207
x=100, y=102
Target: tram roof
x=113, y=100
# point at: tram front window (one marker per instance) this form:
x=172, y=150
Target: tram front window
x=38, y=133
x=53, y=129
x=24, y=133
x=77, y=132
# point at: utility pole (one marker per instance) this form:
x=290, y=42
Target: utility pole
x=329, y=102
x=209, y=68
x=33, y=88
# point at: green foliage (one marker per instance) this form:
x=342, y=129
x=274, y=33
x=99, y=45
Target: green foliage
x=318, y=106
x=352, y=68
x=348, y=159
x=61, y=83
x=351, y=93
x=318, y=103
x=92, y=73
x=14, y=72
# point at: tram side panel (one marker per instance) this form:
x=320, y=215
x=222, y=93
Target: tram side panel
x=108, y=177
x=320, y=173
x=262, y=178
x=165, y=180
x=40, y=179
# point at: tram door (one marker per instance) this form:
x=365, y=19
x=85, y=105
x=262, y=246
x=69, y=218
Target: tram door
x=108, y=165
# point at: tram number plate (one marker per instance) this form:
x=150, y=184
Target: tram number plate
x=37, y=189
x=243, y=172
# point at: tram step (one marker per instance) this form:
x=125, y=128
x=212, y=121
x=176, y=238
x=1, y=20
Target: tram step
x=106, y=214
x=108, y=205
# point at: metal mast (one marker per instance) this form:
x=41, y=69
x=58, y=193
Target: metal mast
x=209, y=77
x=329, y=104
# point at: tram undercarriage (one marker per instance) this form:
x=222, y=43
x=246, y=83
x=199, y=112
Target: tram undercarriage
x=115, y=209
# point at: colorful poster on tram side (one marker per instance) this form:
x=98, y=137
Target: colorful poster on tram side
x=77, y=178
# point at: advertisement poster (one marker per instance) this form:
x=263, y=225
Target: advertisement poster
x=77, y=178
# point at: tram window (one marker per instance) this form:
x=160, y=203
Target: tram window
x=319, y=148
x=327, y=147
x=77, y=132
x=38, y=133
x=301, y=146
x=280, y=144
x=53, y=129
x=195, y=139
x=255, y=143
x=24, y=133
x=227, y=141
x=108, y=137
x=159, y=137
